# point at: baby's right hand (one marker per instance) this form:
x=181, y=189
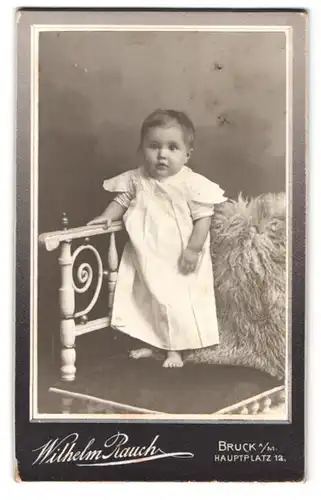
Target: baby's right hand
x=100, y=220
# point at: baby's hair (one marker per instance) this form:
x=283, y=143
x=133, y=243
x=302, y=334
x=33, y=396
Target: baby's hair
x=165, y=118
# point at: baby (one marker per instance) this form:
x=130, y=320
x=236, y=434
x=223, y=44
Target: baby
x=165, y=292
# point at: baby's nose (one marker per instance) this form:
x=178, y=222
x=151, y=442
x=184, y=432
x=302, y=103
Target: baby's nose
x=161, y=152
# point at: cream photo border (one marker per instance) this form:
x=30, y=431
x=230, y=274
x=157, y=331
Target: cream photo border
x=34, y=103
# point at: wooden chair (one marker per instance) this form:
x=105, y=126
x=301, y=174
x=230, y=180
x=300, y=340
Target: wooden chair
x=268, y=403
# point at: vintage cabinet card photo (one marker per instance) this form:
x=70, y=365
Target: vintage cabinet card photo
x=160, y=245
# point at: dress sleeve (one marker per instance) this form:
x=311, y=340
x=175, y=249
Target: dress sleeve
x=203, y=195
x=124, y=185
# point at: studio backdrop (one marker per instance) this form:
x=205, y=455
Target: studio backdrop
x=96, y=88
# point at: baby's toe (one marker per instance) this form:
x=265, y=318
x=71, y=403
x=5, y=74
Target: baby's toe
x=172, y=363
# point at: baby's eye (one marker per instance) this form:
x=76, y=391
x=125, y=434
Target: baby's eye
x=173, y=147
x=153, y=145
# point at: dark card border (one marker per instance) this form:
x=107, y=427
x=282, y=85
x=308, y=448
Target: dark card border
x=199, y=439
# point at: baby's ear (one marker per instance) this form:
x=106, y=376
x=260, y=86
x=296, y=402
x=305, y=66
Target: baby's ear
x=189, y=154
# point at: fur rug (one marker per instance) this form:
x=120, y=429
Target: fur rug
x=249, y=261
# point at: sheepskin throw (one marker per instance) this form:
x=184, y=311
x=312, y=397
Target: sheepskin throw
x=248, y=245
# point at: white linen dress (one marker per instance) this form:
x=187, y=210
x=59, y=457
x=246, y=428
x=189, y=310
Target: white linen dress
x=154, y=302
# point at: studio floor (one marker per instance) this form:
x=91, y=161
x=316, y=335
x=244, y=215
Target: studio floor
x=105, y=371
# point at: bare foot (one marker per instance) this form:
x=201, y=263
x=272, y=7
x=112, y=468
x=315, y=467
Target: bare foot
x=144, y=352
x=173, y=360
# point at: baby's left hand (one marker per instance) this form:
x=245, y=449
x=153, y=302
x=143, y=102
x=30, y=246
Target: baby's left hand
x=188, y=261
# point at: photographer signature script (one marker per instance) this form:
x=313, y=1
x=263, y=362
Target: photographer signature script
x=116, y=450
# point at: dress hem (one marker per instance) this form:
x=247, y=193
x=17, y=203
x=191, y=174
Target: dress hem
x=212, y=344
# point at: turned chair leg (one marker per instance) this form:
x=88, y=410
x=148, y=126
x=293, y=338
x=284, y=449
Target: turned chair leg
x=67, y=308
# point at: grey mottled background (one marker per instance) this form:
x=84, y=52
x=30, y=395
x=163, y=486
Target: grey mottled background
x=96, y=88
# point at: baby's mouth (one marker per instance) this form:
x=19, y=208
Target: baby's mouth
x=161, y=165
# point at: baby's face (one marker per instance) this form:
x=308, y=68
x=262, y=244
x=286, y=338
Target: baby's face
x=165, y=151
